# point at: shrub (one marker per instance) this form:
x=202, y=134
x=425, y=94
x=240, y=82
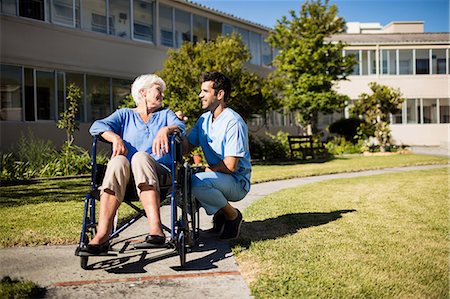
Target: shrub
x=346, y=128
x=276, y=147
x=340, y=145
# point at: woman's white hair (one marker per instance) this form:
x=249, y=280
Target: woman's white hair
x=145, y=82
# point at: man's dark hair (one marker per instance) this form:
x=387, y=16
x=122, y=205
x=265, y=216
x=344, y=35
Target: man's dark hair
x=221, y=82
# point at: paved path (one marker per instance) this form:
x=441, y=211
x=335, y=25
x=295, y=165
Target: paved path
x=211, y=271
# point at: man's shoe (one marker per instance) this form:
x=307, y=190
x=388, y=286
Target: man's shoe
x=95, y=249
x=232, y=227
x=218, y=223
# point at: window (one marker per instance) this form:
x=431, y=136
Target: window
x=78, y=80
x=60, y=93
x=215, y=29
x=405, y=58
x=120, y=89
x=388, y=62
x=422, y=61
x=372, y=62
x=199, y=29
x=255, y=48
x=97, y=97
x=357, y=65
x=227, y=29
x=119, y=16
x=266, y=54
x=10, y=92
x=444, y=111
x=143, y=20
x=8, y=7
x=412, y=111
x=364, y=62
x=29, y=95
x=63, y=12
x=166, y=25
x=245, y=35
x=439, y=64
x=94, y=16
x=429, y=111
x=45, y=95
x=33, y=9
x=182, y=27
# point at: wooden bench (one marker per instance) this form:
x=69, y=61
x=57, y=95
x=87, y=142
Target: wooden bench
x=306, y=146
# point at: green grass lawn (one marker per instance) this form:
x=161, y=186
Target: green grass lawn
x=383, y=236
x=50, y=211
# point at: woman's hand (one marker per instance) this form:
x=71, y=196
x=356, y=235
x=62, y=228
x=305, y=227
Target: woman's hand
x=160, y=145
x=118, y=147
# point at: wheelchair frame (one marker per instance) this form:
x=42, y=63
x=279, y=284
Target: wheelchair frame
x=184, y=228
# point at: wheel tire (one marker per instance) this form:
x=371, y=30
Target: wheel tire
x=182, y=249
x=84, y=262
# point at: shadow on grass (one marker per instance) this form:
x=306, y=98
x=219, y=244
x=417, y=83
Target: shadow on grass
x=283, y=225
x=294, y=161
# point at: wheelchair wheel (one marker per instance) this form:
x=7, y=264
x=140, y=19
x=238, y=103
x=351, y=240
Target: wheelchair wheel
x=181, y=244
x=89, y=234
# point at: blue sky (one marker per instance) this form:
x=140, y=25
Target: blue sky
x=435, y=13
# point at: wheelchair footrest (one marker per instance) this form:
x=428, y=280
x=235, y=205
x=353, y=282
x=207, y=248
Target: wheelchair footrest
x=145, y=245
x=78, y=252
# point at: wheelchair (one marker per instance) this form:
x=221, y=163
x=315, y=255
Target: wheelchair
x=184, y=217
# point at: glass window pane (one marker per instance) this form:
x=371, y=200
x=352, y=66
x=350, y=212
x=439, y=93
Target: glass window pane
x=97, y=96
x=266, y=54
x=356, y=66
x=94, y=16
x=199, y=29
x=439, y=65
x=33, y=9
x=143, y=20
x=61, y=96
x=45, y=95
x=255, y=48
x=422, y=61
x=78, y=80
x=166, y=26
x=119, y=17
x=120, y=89
x=245, y=35
x=388, y=62
x=29, y=95
x=373, y=62
x=227, y=29
x=444, y=111
x=405, y=62
x=8, y=7
x=364, y=65
x=215, y=29
x=10, y=92
x=429, y=111
x=412, y=111
x=182, y=27
x=62, y=12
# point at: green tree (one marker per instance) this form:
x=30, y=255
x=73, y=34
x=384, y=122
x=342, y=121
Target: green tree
x=183, y=68
x=308, y=63
x=67, y=120
x=375, y=108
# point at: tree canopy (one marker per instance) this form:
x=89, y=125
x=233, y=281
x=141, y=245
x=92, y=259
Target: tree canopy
x=308, y=64
x=227, y=54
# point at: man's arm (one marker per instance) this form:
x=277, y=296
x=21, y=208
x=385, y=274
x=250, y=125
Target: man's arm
x=187, y=146
x=228, y=165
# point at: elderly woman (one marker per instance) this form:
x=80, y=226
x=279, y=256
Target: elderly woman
x=140, y=145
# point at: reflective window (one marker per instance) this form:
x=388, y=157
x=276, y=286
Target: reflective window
x=45, y=95
x=63, y=12
x=182, y=27
x=364, y=62
x=429, y=111
x=439, y=65
x=422, y=61
x=8, y=7
x=78, y=80
x=245, y=35
x=444, y=111
x=357, y=64
x=119, y=16
x=33, y=9
x=120, y=89
x=199, y=29
x=166, y=25
x=405, y=62
x=143, y=20
x=94, y=16
x=255, y=48
x=388, y=62
x=215, y=29
x=266, y=54
x=97, y=97
x=372, y=62
x=29, y=95
x=61, y=93
x=10, y=92
x=412, y=111
x=227, y=29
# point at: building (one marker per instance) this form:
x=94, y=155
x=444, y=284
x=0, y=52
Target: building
x=100, y=45
x=103, y=45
